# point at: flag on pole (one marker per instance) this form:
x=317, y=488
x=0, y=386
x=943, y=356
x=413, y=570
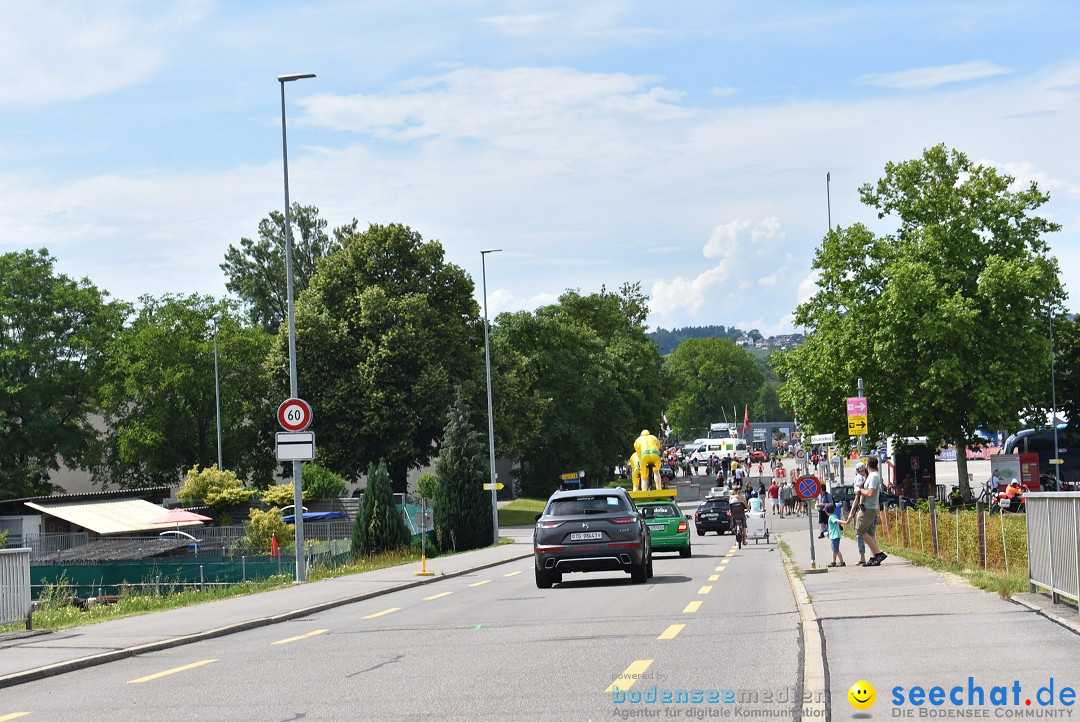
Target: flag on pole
x=746, y=419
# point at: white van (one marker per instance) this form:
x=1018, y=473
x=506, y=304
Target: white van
x=719, y=448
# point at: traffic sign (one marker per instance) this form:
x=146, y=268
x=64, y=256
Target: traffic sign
x=800, y=454
x=856, y=406
x=823, y=439
x=1057, y=461
x=295, y=446
x=498, y=486
x=807, y=487
x=294, y=414
x=857, y=426
x=572, y=475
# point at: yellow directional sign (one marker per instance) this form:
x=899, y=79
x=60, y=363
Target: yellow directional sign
x=498, y=486
x=857, y=426
x=571, y=476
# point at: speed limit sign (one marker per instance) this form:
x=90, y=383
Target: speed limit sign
x=294, y=414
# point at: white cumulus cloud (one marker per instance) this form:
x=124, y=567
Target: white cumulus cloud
x=933, y=76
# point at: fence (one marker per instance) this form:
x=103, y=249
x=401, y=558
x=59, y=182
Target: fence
x=15, y=586
x=974, y=539
x=1053, y=536
x=43, y=545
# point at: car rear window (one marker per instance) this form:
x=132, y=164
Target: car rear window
x=585, y=505
x=717, y=505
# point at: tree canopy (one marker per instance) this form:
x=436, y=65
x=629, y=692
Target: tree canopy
x=52, y=330
x=705, y=378
x=942, y=319
x=384, y=332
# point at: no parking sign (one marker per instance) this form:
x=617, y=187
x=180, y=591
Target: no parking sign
x=807, y=487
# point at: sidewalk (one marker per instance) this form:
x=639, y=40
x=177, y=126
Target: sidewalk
x=905, y=625
x=26, y=658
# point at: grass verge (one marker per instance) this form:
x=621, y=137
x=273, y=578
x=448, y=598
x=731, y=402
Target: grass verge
x=789, y=558
x=988, y=580
x=521, y=512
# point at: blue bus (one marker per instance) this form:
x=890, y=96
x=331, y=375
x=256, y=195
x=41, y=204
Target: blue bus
x=1041, y=442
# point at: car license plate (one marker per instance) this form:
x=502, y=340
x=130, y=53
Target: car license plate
x=711, y=516
x=657, y=527
x=583, y=535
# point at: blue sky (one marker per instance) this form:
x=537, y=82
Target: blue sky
x=683, y=144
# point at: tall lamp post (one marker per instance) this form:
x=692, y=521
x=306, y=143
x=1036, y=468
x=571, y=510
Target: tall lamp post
x=1053, y=401
x=301, y=566
x=491, y=420
x=217, y=392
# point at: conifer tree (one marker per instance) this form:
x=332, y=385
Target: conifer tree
x=461, y=506
x=379, y=526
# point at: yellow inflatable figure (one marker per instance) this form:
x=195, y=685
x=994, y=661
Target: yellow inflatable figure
x=635, y=471
x=647, y=447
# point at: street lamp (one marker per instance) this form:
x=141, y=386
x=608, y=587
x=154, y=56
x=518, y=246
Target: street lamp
x=491, y=420
x=298, y=523
x=1053, y=401
x=217, y=391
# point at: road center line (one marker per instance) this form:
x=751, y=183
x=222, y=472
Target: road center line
x=167, y=672
x=705, y=589
x=672, y=631
x=13, y=715
x=714, y=577
x=724, y=561
x=720, y=569
x=512, y=574
x=626, y=680
x=692, y=607
x=437, y=596
x=379, y=614
x=302, y=636
x=480, y=583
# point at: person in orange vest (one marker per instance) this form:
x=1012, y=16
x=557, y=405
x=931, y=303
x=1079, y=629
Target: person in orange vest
x=647, y=447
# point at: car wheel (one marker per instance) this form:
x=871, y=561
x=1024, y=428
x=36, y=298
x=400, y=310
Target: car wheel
x=685, y=552
x=701, y=532
x=649, y=569
x=639, y=574
x=555, y=577
x=543, y=579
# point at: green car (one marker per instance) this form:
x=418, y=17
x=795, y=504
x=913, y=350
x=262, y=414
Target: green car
x=668, y=526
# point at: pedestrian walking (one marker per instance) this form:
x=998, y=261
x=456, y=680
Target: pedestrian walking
x=834, y=536
x=774, y=499
x=868, y=514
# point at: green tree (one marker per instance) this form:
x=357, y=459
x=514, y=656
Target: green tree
x=52, y=331
x=384, y=331
x=943, y=319
x=320, y=482
x=427, y=485
x=282, y=495
x=1067, y=371
x=256, y=270
x=709, y=376
x=158, y=395
x=461, y=507
x=379, y=527
x=261, y=528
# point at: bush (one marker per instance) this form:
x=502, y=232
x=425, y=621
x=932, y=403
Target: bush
x=379, y=527
x=281, y=496
x=261, y=526
x=4, y=539
x=320, y=483
x=213, y=487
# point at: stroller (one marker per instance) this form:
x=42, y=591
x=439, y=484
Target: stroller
x=755, y=527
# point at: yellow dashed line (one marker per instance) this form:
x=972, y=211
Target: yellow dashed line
x=379, y=614
x=512, y=574
x=302, y=636
x=13, y=715
x=672, y=631
x=720, y=569
x=480, y=583
x=437, y=596
x=626, y=680
x=692, y=607
x=714, y=577
x=724, y=561
x=705, y=589
x=167, y=672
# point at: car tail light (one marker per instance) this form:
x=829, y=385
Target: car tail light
x=545, y=550
x=623, y=545
x=623, y=521
x=683, y=526
x=697, y=515
x=549, y=524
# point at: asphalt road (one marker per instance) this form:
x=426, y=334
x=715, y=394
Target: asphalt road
x=486, y=646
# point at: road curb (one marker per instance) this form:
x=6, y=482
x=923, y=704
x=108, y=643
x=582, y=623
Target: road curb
x=71, y=665
x=814, y=689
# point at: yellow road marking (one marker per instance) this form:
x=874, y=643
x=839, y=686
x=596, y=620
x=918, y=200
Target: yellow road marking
x=167, y=672
x=714, y=577
x=512, y=574
x=672, y=631
x=724, y=561
x=480, y=583
x=302, y=636
x=626, y=680
x=13, y=715
x=379, y=614
x=705, y=589
x=436, y=596
x=692, y=607
x=720, y=569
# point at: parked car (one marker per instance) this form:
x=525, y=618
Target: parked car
x=886, y=500
x=668, y=526
x=591, y=530
x=712, y=515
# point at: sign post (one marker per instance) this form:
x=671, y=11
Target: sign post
x=807, y=488
x=294, y=414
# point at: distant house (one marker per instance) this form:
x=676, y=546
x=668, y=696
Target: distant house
x=100, y=513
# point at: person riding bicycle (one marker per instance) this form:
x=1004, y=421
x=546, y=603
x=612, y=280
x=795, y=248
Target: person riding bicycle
x=737, y=512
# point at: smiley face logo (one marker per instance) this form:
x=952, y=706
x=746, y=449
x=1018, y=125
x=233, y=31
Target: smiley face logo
x=862, y=695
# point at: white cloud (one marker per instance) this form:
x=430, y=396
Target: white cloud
x=723, y=92
x=807, y=288
x=683, y=294
x=501, y=300
x=933, y=76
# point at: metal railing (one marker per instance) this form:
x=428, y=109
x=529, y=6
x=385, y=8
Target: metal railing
x=15, y=586
x=43, y=545
x=1053, y=529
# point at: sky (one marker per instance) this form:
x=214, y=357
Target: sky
x=682, y=145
